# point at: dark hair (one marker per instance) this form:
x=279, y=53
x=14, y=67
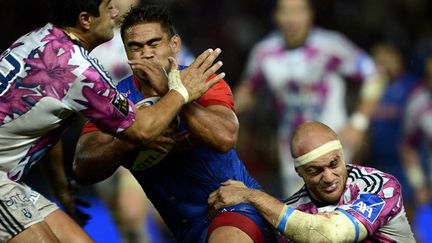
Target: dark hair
x=148, y=13
x=64, y=13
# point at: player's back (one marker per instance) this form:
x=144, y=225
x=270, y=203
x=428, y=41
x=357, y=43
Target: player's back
x=40, y=95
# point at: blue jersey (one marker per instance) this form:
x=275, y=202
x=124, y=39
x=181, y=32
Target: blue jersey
x=181, y=183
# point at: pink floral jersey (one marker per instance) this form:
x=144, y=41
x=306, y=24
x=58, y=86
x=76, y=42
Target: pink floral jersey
x=308, y=82
x=46, y=80
x=373, y=197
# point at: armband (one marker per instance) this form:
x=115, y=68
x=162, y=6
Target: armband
x=283, y=218
x=175, y=83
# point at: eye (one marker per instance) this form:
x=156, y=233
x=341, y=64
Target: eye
x=154, y=44
x=134, y=48
x=334, y=163
x=312, y=171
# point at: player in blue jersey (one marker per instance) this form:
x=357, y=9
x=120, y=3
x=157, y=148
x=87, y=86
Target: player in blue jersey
x=202, y=158
x=48, y=78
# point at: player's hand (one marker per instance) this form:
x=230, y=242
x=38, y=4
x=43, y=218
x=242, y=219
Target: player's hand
x=195, y=77
x=230, y=193
x=152, y=70
x=72, y=205
x=162, y=142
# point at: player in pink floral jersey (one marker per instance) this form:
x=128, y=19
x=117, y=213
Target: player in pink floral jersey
x=304, y=70
x=338, y=203
x=47, y=78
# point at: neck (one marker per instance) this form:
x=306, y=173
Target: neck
x=77, y=35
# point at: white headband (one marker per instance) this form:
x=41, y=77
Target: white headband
x=315, y=153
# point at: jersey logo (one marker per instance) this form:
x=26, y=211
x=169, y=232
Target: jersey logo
x=7, y=78
x=121, y=104
x=369, y=206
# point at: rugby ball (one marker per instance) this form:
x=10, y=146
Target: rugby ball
x=150, y=157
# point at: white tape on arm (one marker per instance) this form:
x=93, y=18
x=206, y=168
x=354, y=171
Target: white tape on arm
x=333, y=227
x=359, y=121
x=175, y=83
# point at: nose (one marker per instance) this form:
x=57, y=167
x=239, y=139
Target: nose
x=327, y=176
x=115, y=12
x=147, y=52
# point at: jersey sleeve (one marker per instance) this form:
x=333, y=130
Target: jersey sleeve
x=218, y=94
x=95, y=97
x=354, y=62
x=417, y=117
x=376, y=203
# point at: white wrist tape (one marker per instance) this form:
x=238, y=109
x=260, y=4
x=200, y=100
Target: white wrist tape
x=175, y=83
x=315, y=153
x=359, y=121
x=372, y=89
x=415, y=176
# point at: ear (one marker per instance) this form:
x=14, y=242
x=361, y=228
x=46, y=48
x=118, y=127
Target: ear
x=84, y=20
x=175, y=43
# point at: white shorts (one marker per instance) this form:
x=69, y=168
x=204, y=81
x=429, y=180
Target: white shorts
x=20, y=207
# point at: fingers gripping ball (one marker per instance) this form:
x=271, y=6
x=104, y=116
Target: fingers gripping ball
x=150, y=157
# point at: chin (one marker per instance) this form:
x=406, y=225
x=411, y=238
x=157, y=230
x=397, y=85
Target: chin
x=332, y=197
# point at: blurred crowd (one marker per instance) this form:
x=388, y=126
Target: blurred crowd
x=396, y=35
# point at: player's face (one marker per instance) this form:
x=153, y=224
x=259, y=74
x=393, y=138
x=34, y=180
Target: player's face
x=294, y=18
x=102, y=26
x=325, y=177
x=123, y=6
x=389, y=60
x=150, y=41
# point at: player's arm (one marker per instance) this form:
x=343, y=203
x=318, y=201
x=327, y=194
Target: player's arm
x=216, y=126
x=98, y=155
x=372, y=88
x=184, y=86
x=414, y=171
x=244, y=97
x=295, y=225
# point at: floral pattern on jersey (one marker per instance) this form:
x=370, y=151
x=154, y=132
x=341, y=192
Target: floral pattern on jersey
x=58, y=39
x=99, y=97
x=12, y=102
x=51, y=72
x=40, y=147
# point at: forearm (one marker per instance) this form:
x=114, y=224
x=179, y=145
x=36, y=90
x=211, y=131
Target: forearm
x=370, y=95
x=151, y=121
x=215, y=126
x=99, y=155
x=338, y=226
x=53, y=169
x=412, y=165
x=268, y=206
x=303, y=227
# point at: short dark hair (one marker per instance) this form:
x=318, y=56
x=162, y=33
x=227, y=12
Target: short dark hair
x=64, y=13
x=149, y=13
